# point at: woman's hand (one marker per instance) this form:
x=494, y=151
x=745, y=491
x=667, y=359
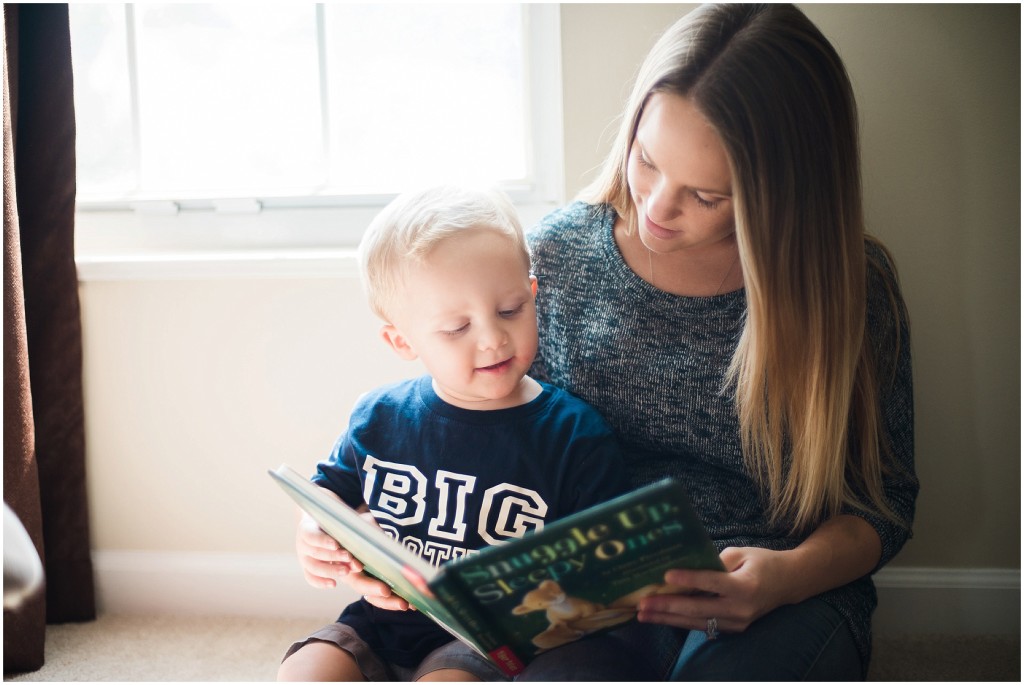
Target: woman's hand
x=756, y=581
x=324, y=562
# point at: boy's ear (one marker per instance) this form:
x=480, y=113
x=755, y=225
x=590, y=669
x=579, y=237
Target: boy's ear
x=533, y=284
x=394, y=339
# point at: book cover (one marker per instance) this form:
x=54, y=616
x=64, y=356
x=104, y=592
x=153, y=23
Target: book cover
x=405, y=572
x=578, y=576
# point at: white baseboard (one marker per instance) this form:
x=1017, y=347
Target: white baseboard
x=911, y=600
x=947, y=600
x=210, y=584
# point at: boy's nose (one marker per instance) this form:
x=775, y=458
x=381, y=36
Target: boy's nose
x=492, y=337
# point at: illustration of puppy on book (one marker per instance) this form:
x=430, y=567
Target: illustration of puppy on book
x=571, y=618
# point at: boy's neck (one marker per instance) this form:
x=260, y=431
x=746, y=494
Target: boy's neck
x=526, y=391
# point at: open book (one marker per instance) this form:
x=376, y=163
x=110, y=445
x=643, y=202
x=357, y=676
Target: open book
x=577, y=576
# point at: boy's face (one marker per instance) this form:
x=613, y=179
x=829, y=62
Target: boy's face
x=467, y=311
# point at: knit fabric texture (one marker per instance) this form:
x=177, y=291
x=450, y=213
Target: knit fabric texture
x=654, y=365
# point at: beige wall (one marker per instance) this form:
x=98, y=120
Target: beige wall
x=195, y=387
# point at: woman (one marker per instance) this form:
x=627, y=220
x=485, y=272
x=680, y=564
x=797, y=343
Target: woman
x=716, y=298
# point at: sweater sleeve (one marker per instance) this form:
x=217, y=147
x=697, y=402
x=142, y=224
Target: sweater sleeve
x=889, y=331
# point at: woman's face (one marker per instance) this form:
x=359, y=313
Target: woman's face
x=679, y=177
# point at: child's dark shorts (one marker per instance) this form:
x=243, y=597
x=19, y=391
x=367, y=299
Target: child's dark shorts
x=454, y=654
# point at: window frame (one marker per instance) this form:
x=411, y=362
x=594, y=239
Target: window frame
x=159, y=237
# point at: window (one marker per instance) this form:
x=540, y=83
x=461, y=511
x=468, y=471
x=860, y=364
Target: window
x=290, y=124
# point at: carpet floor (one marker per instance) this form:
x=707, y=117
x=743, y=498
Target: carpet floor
x=181, y=648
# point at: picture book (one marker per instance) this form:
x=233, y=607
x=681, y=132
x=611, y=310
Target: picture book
x=578, y=576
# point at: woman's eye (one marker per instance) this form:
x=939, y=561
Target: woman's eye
x=642, y=160
x=706, y=204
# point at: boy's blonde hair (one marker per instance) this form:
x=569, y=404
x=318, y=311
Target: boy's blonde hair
x=414, y=223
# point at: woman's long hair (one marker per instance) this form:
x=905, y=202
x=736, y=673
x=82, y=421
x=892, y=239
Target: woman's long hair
x=806, y=390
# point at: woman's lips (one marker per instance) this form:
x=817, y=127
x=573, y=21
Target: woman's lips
x=656, y=230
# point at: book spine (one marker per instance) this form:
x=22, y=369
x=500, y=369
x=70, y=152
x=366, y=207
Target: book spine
x=450, y=591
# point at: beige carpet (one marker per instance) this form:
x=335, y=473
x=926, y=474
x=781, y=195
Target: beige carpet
x=167, y=648
x=178, y=648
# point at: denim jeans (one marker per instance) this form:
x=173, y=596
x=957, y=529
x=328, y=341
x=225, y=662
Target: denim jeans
x=806, y=641
x=636, y=653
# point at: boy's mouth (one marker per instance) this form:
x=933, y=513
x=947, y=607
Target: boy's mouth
x=500, y=366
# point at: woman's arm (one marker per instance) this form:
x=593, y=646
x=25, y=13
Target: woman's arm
x=758, y=581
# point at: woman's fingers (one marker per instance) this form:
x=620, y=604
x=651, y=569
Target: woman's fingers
x=749, y=589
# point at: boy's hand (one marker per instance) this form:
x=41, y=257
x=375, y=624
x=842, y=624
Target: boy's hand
x=324, y=562
x=322, y=559
x=377, y=593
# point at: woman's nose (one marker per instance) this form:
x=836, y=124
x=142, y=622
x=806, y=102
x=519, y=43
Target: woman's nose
x=661, y=205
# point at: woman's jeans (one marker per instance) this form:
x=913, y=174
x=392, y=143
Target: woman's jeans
x=806, y=641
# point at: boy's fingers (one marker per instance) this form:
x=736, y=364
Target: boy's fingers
x=365, y=585
x=317, y=581
x=326, y=555
x=321, y=541
x=394, y=602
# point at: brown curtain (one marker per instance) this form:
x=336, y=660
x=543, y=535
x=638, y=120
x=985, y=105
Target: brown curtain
x=44, y=439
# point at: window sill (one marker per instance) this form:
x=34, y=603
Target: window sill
x=201, y=245
x=241, y=264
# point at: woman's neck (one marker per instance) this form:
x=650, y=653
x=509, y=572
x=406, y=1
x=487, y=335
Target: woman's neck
x=699, y=271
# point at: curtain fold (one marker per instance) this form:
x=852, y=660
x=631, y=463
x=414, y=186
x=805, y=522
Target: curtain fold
x=44, y=435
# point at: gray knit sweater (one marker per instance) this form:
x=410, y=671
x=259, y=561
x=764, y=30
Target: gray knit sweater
x=653, y=364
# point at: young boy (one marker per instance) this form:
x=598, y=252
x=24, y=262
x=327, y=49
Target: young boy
x=473, y=454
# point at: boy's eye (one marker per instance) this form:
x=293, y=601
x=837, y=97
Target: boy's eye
x=508, y=313
x=456, y=331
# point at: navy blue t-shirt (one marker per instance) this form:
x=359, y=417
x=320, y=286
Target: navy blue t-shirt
x=447, y=482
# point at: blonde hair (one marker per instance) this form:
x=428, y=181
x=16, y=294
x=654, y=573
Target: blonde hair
x=807, y=396
x=414, y=223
